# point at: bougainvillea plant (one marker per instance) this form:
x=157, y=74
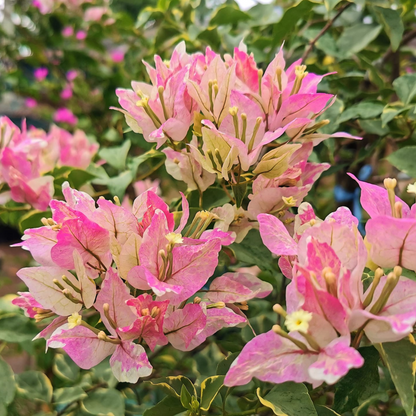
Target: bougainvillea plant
x=123, y=280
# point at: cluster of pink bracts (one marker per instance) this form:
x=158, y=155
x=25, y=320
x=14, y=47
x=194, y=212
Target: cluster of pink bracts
x=226, y=119
x=146, y=277
x=116, y=251
x=27, y=155
x=326, y=301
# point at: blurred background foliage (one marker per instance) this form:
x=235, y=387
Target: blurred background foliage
x=370, y=46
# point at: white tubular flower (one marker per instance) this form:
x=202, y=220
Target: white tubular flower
x=411, y=188
x=298, y=321
x=74, y=320
x=174, y=238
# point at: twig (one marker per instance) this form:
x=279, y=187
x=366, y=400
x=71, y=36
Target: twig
x=226, y=191
x=406, y=39
x=324, y=30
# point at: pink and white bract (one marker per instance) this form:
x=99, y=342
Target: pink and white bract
x=139, y=271
x=27, y=155
x=328, y=312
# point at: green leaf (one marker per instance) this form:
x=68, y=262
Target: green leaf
x=118, y=184
x=356, y=38
x=32, y=219
x=373, y=127
x=264, y=14
x=173, y=385
x=68, y=395
x=105, y=401
x=7, y=306
x=399, y=358
x=404, y=160
x=392, y=23
x=325, y=411
x=330, y=4
x=34, y=385
x=16, y=328
x=185, y=397
x=7, y=383
x=3, y=410
x=359, y=384
x=225, y=364
x=212, y=197
x=169, y=406
x=239, y=193
x=65, y=368
x=289, y=20
x=362, y=410
x=252, y=251
x=365, y=109
x=209, y=390
x=79, y=177
x=288, y=399
x=116, y=156
x=389, y=113
x=134, y=164
x=229, y=15
x=405, y=87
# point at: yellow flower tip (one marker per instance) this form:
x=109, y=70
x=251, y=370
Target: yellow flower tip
x=312, y=222
x=174, y=238
x=411, y=188
x=298, y=321
x=277, y=329
x=397, y=271
x=216, y=305
x=155, y=312
x=143, y=102
x=279, y=310
x=74, y=320
x=289, y=201
x=233, y=110
x=390, y=183
x=204, y=215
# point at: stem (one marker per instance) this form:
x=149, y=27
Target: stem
x=358, y=336
x=324, y=30
x=228, y=194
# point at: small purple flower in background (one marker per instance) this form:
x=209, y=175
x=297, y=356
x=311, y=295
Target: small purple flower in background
x=117, y=55
x=67, y=31
x=81, y=34
x=66, y=93
x=64, y=115
x=71, y=74
x=40, y=73
x=31, y=102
